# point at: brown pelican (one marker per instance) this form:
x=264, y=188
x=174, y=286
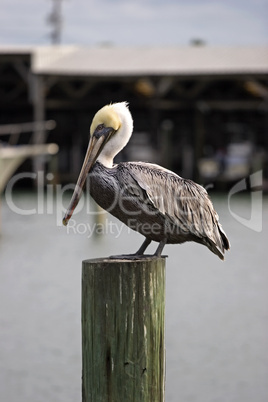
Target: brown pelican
x=148, y=198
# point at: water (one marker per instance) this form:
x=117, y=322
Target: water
x=216, y=313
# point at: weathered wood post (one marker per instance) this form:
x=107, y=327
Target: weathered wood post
x=123, y=330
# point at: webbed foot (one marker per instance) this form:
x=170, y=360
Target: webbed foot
x=131, y=257
x=135, y=257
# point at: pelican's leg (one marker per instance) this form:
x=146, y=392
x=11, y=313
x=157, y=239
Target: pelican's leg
x=143, y=247
x=160, y=248
x=137, y=256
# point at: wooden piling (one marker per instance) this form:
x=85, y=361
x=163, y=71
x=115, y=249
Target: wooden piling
x=123, y=330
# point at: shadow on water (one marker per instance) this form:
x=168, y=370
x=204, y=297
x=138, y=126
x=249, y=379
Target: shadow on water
x=216, y=313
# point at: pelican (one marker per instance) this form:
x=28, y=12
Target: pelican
x=148, y=198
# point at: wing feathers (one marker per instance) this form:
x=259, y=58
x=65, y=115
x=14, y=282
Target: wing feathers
x=182, y=201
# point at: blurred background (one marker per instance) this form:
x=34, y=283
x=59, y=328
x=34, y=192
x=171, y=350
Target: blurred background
x=195, y=77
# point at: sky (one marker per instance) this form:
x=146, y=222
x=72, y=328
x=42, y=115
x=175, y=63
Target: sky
x=137, y=22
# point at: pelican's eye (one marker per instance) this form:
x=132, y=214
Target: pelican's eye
x=102, y=131
x=99, y=128
x=98, y=132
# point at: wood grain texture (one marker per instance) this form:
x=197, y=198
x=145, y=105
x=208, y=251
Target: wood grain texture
x=123, y=330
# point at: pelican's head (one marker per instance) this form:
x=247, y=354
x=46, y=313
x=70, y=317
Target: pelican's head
x=110, y=131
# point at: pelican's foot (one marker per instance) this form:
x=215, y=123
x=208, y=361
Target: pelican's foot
x=135, y=257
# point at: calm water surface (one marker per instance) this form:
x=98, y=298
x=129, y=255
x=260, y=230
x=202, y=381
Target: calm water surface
x=216, y=313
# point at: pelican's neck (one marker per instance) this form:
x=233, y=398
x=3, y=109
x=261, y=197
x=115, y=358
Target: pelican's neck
x=120, y=138
x=106, y=160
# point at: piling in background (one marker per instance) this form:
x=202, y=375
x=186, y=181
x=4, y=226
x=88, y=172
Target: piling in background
x=123, y=330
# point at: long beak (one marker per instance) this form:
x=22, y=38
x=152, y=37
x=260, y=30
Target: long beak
x=95, y=146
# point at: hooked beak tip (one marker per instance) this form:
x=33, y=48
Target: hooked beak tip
x=65, y=221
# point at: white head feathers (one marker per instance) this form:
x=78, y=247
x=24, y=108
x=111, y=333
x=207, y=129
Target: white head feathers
x=117, y=116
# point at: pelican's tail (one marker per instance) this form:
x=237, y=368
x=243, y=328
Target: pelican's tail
x=220, y=243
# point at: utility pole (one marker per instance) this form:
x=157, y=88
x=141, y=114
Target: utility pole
x=55, y=20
